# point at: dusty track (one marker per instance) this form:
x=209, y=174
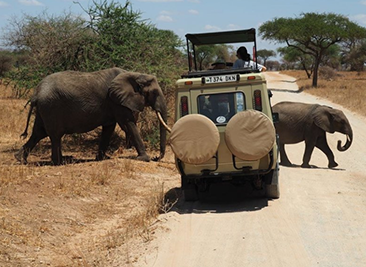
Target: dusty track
x=319, y=219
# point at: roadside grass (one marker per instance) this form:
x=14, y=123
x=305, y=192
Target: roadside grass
x=345, y=88
x=89, y=213
x=84, y=213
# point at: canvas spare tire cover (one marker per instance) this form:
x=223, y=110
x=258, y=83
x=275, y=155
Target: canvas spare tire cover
x=250, y=135
x=194, y=139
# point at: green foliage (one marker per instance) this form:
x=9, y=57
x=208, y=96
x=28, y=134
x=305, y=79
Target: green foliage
x=6, y=63
x=125, y=40
x=297, y=59
x=265, y=54
x=207, y=54
x=115, y=35
x=312, y=34
x=354, y=55
x=47, y=44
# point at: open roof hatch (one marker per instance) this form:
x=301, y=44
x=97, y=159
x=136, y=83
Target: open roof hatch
x=226, y=37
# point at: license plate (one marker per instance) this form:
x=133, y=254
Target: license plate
x=221, y=79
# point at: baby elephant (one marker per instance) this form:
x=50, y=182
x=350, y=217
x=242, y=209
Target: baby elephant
x=310, y=122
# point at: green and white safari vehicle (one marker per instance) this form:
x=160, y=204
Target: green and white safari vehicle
x=224, y=129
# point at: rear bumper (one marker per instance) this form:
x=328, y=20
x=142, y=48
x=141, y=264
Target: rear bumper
x=237, y=174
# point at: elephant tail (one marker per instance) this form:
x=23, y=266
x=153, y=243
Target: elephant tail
x=32, y=105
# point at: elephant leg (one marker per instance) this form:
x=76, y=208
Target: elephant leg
x=38, y=133
x=56, y=150
x=309, y=147
x=284, y=159
x=137, y=141
x=322, y=144
x=128, y=137
x=107, y=132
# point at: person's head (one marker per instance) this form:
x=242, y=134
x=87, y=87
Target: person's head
x=219, y=64
x=242, y=53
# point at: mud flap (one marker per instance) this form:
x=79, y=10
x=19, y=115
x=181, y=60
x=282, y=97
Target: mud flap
x=272, y=187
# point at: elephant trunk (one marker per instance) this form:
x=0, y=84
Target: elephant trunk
x=348, y=143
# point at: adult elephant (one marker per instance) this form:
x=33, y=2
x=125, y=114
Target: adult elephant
x=77, y=102
x=310, y=122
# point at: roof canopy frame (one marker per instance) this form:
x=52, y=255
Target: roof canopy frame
x=224, y=37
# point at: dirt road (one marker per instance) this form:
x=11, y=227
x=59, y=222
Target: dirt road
x=319, y=220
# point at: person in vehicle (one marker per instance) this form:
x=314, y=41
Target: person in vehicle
x=219, y=64
x=244, y=60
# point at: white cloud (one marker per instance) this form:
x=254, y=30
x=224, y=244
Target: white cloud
x=164, y=12
x=30, y=2
x=212, y=28
x=363, y=2
x=193, y=12
x=3, y=4
x=233, y=27
x=165, y=18
x=194, y=1
x=361, y=18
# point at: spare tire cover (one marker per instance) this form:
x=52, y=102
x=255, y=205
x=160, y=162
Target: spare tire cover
x=194, y=139
x=250, y=135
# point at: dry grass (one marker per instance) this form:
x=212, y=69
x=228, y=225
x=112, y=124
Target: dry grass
x=89, y=213
x=85, y=213
x=345, y=88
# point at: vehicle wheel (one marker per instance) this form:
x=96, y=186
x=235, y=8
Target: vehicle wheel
x=272, y=187
x=198, y=146
x=250, y=135
x=272, y=191
x=190, y=192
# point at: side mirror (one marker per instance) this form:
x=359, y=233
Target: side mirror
x=275, y=117
x=270, y=94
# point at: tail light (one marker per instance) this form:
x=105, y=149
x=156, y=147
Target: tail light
x=258, y=100
x=183, y=106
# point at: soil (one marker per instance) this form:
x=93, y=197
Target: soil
x=89, y=213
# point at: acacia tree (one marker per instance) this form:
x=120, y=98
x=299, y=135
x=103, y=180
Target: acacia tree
x=295, y=56
x=265, y=55
x=312, y=34
x=354, y=54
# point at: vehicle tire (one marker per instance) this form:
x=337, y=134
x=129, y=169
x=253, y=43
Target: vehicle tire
x=250, y=135
x=272, y=187
x=190, y=192
x=194, y=139
x=273, y=191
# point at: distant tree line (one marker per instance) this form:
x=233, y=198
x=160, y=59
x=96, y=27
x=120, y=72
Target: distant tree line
x=114, y=35
x=314, y=40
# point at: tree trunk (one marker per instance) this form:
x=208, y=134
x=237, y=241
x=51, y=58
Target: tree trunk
x=316, y=71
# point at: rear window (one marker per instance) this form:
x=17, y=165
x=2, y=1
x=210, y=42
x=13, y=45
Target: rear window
x=221, y=107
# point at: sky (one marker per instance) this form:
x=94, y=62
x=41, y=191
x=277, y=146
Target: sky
x=196, y=16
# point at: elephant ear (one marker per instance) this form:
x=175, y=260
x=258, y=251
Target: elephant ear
x=323, y=118
x=127, y=89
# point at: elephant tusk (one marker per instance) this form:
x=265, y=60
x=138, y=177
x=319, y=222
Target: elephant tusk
x=163, y=122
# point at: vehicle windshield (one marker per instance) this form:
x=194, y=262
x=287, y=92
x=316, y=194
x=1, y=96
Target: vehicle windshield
x=220, y=108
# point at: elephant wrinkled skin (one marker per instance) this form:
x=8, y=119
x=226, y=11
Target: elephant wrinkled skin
x=310, y=122
x=77, y=102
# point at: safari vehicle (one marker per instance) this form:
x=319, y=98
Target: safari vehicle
x=224, y=129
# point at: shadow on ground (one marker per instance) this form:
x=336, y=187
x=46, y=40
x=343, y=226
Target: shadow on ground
x=221, y=198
